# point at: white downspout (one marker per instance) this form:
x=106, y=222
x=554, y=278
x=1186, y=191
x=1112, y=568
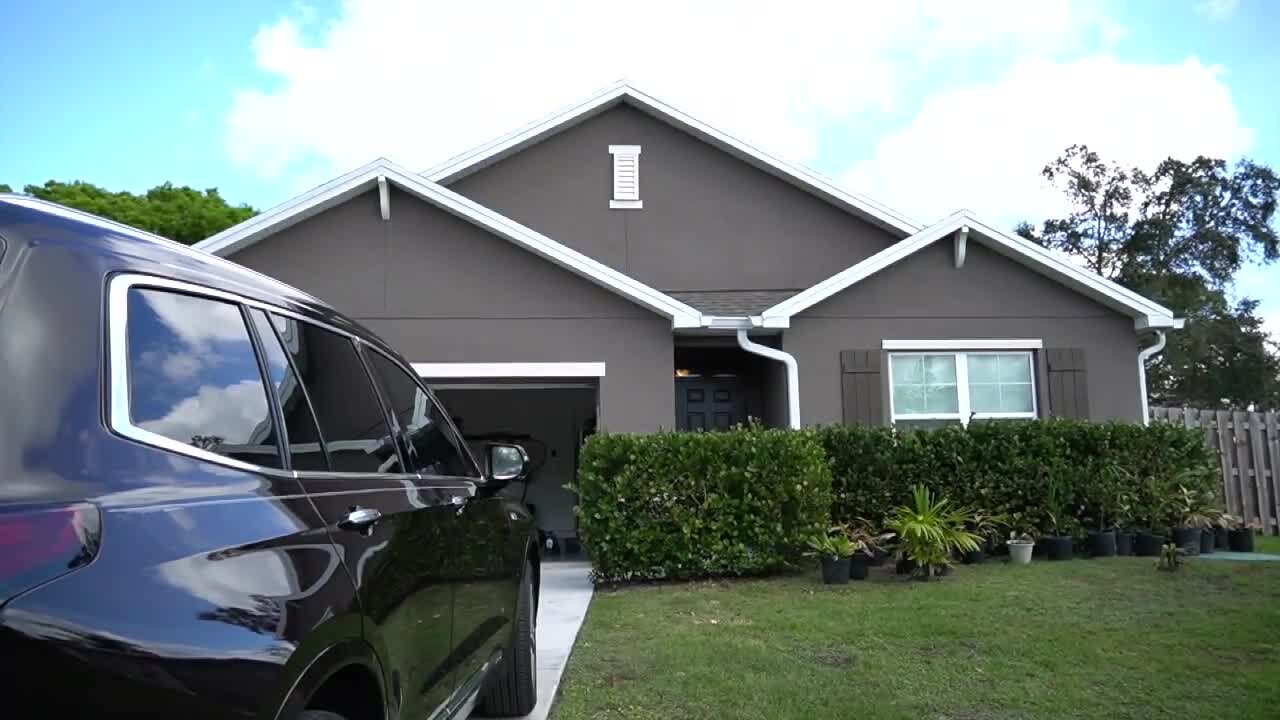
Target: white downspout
x=1142, y=373
x=793, y=374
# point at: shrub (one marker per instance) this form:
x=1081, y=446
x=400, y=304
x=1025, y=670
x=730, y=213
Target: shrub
x=688, y=505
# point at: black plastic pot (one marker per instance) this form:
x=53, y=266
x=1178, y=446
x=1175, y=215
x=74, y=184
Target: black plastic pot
x=1124, y=543
x=1240, y=540
x=973, y=557
x=878, y=557
x=859, y=566
x=1206, y=542
x=1221, y=538
x=1057, y=547
x=835, y=571
x=1147, y=544
x=905, y=566
x=1188, y=539
x=1102, y=544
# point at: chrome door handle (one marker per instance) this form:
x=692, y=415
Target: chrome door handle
x=360, y=519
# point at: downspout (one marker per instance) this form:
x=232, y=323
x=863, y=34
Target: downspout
x=1142, y=373
x=793, y=374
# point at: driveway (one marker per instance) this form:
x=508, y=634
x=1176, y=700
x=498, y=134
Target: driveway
x=562, y=606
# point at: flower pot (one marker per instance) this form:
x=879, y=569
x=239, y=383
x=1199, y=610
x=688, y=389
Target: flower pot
x=1124, y=543
x=1240, y=540
x=1102, y=543
x=905, y=566
x=1206, y=542
x=1057, y=547
x=859, y=566
x=1221, y=538
x=973, y=557
x=835, y=571
x=1147, y=544
x=1188, y=539
x=1020, y=553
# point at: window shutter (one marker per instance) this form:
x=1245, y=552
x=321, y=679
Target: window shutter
x=626, y=176
x=860, y=387
x=1068, y=389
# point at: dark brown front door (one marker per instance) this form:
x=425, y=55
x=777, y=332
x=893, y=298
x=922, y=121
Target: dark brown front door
x=710, y=403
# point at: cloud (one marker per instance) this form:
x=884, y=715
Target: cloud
x=419, y=82
x=1217, y=10
x=982, y=147
x=234, y=414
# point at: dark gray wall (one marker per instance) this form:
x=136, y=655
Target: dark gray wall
x=926, y=297
x=439, y=289
x=709, y=222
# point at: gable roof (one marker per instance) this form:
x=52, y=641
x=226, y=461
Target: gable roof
x=363, y=179
x=622, y=93
x=1145, y=313
x=731, y=303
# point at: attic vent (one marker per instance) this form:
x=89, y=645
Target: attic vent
x=626, y=177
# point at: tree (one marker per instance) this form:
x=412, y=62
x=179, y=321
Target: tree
x=1179, y=235
x=5, y=188
x=178, y=213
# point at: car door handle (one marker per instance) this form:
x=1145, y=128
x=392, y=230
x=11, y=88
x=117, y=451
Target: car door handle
x=360, y=519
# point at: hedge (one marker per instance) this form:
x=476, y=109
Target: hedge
x=686, y=505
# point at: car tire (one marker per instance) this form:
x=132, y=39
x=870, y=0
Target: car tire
x=319, y=715
x=512, y=690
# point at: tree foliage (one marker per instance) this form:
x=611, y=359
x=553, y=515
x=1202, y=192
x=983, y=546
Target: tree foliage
x=178, y=213
x=5, y=188
x=1179, y=234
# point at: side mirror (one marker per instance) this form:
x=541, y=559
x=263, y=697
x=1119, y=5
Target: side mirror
x=505, y=463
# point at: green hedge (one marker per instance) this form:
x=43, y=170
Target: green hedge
x=1104, y=473
x=686, y=505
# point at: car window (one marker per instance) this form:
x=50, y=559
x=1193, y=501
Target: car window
x=433, y=447
x=306, y=451
x=350, y=416
x=193, y=376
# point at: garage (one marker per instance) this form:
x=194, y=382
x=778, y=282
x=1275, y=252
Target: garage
x=549, y=408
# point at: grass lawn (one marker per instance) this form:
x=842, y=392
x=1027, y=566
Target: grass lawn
x=1080, y=639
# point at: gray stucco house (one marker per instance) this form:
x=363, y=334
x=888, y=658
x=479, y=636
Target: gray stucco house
x=621, y=264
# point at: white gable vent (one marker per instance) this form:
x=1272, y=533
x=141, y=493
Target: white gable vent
x=626, y=177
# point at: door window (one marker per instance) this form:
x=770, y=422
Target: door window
x=432, y=446
x=348, y=412
x=306, y=451
x=193, y=376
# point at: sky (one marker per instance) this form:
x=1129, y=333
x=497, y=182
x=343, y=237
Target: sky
x=926, y=106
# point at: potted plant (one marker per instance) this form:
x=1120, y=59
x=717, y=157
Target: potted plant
x=1122, y=517
x=1196, y=511
x=931, y=530
x=867, y=545
x=1150, y=515
x=1099, y=493
x=1222, y=531
x=1240, y=537
x=988, y=527
x=1057, y=544
x=1020, y=546
x=834, y=550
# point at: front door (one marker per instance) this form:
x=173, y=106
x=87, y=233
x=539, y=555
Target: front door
x=710, y=403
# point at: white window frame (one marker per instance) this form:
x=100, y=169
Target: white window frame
x=965, y=414
x=629, y=200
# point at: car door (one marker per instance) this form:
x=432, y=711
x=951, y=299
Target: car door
x=392, y=528
x=485, y=575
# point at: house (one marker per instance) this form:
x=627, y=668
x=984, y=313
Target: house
x=623, y=265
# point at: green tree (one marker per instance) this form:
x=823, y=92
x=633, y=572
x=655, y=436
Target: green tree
x=178, y=213
x=5, y=188
x=1179, y=234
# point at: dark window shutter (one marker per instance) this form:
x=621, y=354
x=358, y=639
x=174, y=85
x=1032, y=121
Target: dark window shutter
x=1068, y=391
x=860, y=387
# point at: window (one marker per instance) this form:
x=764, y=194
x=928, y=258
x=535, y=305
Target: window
x=932, y=389
x=193, y=377
x=433, y=448
x=626, y=177
x=305, y=449
x=347, y=410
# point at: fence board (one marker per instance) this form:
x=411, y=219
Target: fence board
x=1260, y=474
x=1273, y=454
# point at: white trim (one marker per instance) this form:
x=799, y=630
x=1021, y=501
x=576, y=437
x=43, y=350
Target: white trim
x=626, y=204
x=509, y=369
x=985, y=344
x=364, y=178
x=964, y=413
x=1146, y=314
x=1143, y=355
x=384, y=197
x=962, y=244
x=626, y=177
x=512, y=386
x=793, y=373
x=620, y=92
x=624, y=149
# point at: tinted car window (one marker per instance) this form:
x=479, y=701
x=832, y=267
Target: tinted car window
x=194, y=377
x=305, y=449
x=349, y=414
x=432, y=445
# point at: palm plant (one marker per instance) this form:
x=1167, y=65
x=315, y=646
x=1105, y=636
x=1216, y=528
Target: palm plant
x=1197, y=509
x=931, y=530
x=834, y=544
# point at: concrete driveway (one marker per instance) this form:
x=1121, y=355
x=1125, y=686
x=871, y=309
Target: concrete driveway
x=562, y=606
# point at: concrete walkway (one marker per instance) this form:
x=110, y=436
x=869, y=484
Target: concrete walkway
x=1248, y=557
x=562, y=606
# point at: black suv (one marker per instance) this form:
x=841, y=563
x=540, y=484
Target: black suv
x=220, y=498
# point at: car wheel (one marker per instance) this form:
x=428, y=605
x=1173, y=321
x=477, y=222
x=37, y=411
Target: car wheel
x=512, y=690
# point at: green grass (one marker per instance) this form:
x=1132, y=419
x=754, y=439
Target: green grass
x=1267, y=544
x=1082, y=639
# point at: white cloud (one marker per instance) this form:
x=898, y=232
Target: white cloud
x=232, y=413
x=419, y=81
x=1217, y=10
x=982, y=147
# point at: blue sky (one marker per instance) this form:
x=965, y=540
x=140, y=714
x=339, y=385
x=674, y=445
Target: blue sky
x=925, y=106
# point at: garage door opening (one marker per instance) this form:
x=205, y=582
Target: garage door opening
x=551, y=420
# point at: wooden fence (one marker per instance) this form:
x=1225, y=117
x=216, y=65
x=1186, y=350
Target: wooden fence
x=1248, y=447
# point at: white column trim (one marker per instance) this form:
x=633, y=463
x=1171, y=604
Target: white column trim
x=509, y=369
x=987, y=344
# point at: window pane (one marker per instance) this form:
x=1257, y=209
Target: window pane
x=1015, y=368
x=940, y=369
x=941, y=399
x=305, y=451
x=908, y=399
x=349, y=413
x=194, y=378
x=432, y=445
x=984, y=368
x=1016, y=397
x=907, y=369
x=984, y=397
